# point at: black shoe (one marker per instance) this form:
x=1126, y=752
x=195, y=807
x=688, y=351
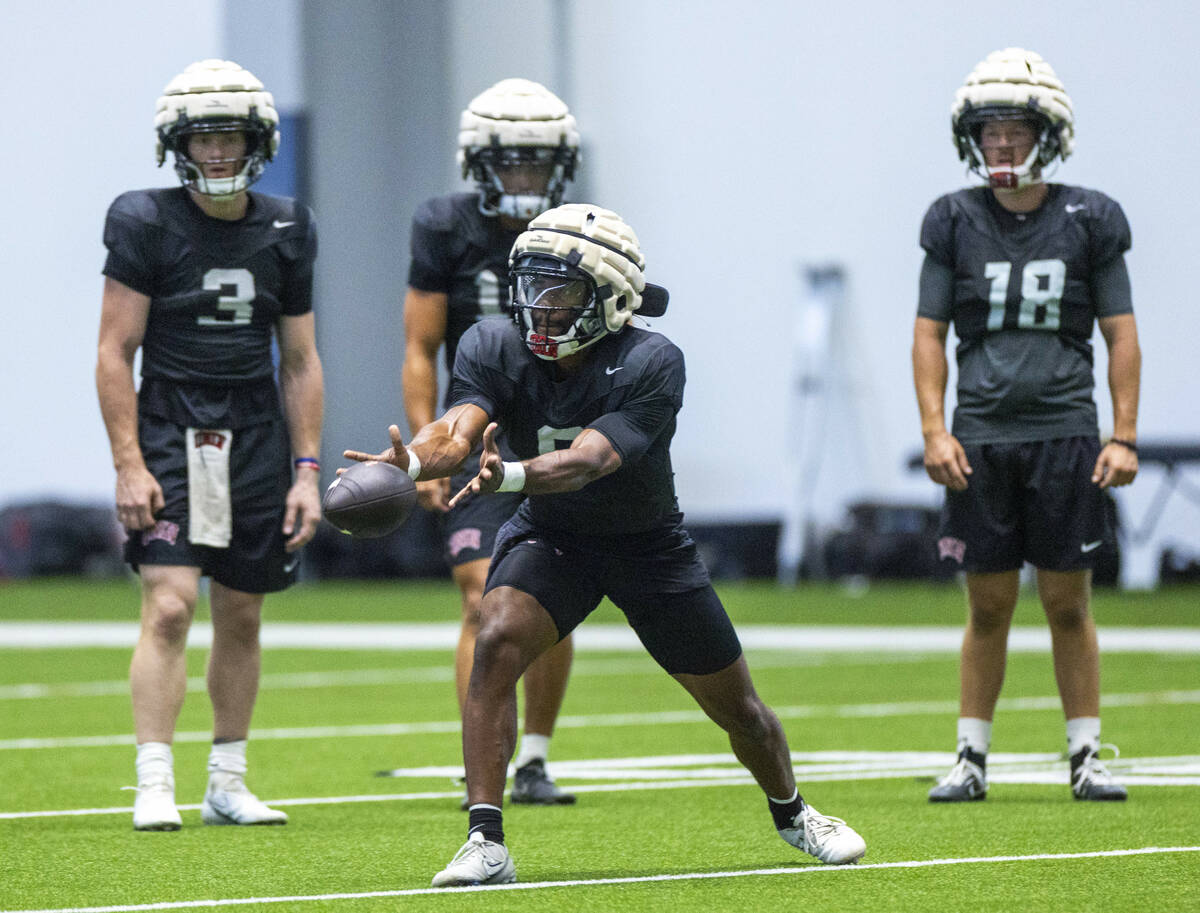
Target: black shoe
x=1091, y=780
x=533, y=786
x=966, y=782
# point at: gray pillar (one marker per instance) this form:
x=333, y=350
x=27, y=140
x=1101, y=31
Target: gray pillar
x=376, y=87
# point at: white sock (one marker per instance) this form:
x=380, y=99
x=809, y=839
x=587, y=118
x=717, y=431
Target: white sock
x=975, y=734
x=155, y=762
x=228, y=758
x=1082, y=731
x=533, y=748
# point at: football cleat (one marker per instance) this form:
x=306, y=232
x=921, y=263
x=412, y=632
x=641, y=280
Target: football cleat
x=830, y=839
x=228, y=801
x=533, y=786
x=1091, y=780
x=154, y=808
x=480, y=861
x=966, y=781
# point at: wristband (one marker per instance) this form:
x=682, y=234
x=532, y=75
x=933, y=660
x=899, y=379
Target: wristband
x=1128, y=445
x=310, y=462
x=414, y=464
x=514, y=477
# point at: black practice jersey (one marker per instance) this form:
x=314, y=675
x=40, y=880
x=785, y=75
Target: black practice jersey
x=1023, y=303
x=459, y=251
x=629, y=389
x=216, y=290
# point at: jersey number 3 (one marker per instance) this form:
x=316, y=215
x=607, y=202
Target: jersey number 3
x=235, y=298
x=1042, y=283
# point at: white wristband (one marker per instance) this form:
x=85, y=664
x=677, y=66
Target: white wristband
x=414, y=464
x=514, y=477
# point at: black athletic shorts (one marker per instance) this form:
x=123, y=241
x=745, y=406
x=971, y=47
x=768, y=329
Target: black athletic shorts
x=1033, y=501
x=664, y=592
x=469, y=529
x=260, y=475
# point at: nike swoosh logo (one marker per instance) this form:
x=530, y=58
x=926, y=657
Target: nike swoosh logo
x=493, y=865
x=278, y=224
x=1091, y=546
x=291, y=565
x=1075, y=208
x=614, y=370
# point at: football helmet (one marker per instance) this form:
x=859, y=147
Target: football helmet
x=517, y=123
x=1006, y=85
x=217, y=96
x=574, y=275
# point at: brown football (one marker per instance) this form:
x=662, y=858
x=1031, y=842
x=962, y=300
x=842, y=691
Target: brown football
x=370, y=500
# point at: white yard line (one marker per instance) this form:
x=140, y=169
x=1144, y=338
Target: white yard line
x=443, y=672
x=617, y=638
x=643, y=879
x=649, y=718
x=659, y=772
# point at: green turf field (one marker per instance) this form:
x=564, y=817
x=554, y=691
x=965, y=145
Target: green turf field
x=666, y=819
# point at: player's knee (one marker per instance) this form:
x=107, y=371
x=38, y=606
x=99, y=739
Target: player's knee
x=752, y=720
x=990, y=617
x=1066, y=615
x=167, y=616
x=240, y=626
x=470, y=610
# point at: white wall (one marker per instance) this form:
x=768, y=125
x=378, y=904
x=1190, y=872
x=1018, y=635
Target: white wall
x=741, y=140
x=78, y=83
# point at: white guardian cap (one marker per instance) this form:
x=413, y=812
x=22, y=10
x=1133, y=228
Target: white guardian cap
x=517, y=122
x=576, y=274
x=1006, y=85
x=217, y=96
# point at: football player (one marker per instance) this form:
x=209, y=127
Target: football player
x=588, y=402
x=203, y=278
x=519, y=143
x=1024, y=268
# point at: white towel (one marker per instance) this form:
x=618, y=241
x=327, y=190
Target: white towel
x=210, y=514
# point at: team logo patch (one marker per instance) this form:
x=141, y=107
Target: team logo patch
x=464, y=538
x=210, y=439
x=165, y=530
x=949, y=547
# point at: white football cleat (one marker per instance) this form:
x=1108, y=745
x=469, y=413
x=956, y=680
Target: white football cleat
x=830, y=839
x=154, y=808
x=480, y=861
x=227, y=801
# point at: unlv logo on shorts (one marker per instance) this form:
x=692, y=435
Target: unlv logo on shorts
x=210, y=439
x=949, y=547
x=463, y=538
x=164, y=530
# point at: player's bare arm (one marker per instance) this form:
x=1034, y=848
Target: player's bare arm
x=945, y=461
x=441, y=446
x=591, y=456
x=301, y=383
x=122, y=325
x=1118, y=462
x=424, y=333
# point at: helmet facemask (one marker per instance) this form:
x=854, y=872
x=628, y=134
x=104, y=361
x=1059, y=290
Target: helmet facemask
x=555, y=306
x=1018, y=175
x=247, y=167
x=540, y=174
